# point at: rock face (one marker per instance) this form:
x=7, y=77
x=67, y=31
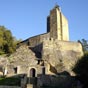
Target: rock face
x=23, y=56
x=21, y=60
x=61, y=55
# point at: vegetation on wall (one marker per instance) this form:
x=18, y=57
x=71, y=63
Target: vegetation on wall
x=84, y=43
x=10, y=81
x=81, y=69
x=7, y=41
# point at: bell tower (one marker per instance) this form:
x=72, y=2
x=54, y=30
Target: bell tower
x=57, y=25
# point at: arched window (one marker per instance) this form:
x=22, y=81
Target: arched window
x=32, y=72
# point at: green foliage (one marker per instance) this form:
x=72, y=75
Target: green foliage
x=11, y=81
x=82, y=65
x=7, y=41
x=84, y=44
x=81, y=69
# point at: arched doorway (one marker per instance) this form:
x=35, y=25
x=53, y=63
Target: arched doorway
x=32, y=72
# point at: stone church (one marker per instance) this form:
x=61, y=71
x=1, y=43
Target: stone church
x=49, y=53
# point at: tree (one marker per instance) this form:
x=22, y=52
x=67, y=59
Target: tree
x=1, y=39
x=7, y=41
x=81, y=70
x=84, y=44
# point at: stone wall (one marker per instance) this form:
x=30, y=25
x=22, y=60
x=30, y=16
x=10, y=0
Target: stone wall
x=57, y=25
x=36, y=40
x=21, y=59
x=61, y=55
x=65, y=31
x=38, y=70
x=9, y=86
x=53, y=24
x=60, y=81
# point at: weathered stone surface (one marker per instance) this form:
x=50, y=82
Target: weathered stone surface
x=61, y=81
x=23, y=56
x=58, y=56
x=61, y=55
x=3, y=61
x=3, y=65
x=21, y=60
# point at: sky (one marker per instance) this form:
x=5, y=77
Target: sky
x=27, y=18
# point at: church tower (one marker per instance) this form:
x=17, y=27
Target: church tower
x=57, y=25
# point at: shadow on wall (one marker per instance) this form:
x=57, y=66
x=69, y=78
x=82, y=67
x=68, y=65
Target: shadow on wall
x=37, y=50
x=81, y=69
x=1, y=71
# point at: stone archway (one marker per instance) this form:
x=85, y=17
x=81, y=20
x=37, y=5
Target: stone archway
x=32, y=72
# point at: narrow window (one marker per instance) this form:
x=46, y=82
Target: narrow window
x=15, y=70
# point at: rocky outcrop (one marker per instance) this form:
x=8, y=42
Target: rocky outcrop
x=61, y=55
x=23, y=56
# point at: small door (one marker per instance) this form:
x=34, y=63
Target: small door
x=32, y=72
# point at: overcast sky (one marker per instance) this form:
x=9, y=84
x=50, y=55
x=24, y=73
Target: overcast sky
x=26, y=18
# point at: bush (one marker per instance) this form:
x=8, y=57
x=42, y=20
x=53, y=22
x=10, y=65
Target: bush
x=11, y=81
x=81, y=69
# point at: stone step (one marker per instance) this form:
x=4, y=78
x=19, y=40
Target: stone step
x=29, y=85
